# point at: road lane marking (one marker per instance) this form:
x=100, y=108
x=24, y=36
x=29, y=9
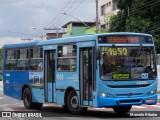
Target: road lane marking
x=2, y=98
x=138, y=107
x=45, y=105
x=155, y=106
x=11, y=104
x=7, y=109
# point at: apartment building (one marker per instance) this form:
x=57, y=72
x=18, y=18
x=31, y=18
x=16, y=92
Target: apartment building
x=107, y=9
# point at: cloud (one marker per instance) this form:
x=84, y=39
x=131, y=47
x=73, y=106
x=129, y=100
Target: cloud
x=21, y=15
x=8, y=40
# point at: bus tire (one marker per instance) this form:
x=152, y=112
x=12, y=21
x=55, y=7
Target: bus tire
x=122, y=109
x=27, y=98
x=38, y=106
x=65, y=108
x=73, y=103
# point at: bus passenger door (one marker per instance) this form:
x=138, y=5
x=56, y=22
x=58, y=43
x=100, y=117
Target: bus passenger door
x=87, y=77
x=49, y=75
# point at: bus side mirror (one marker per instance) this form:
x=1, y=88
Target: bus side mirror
x=98, y=53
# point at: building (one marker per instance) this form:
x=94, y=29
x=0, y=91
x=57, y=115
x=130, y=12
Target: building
x=107, y=9
x=54, y=35
x=76, y=28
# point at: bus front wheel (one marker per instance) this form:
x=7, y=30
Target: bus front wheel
x=27, y=98
x=73, y=103
x=122, y=109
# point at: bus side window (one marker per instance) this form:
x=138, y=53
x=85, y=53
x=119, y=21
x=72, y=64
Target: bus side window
x=22, y=59
x=10, y=59
x=36, y=59
x=66, y=58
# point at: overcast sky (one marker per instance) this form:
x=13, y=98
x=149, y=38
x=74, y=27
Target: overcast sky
x=17, y=17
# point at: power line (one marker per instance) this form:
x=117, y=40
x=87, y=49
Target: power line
x=8, y=31
x=139, y=9
x=59, y=22
x=154, y=25
x=58, y=13
x=147, y=6
x=70, y=12
x=154, y=4
x=57, y=16
x=141, y=6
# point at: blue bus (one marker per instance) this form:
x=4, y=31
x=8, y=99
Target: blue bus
x=115, y=70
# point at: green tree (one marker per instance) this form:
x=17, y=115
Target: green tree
x=138, y=16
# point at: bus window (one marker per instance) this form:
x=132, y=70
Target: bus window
x=36, y=59
x=66, y=58
x=22, y=59
x=10, y=60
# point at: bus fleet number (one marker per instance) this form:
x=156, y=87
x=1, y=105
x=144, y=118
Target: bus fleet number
x=117, y=51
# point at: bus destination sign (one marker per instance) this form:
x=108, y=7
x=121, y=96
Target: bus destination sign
x=122, y=39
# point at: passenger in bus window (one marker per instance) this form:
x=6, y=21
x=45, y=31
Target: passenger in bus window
x=130, y=62
x=107, y=65
x=74, y=53
x=59, y=53
x=40, y=66
x=59, y=68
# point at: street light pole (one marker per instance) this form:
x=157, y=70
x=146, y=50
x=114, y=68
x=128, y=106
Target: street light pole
x=97, y=18
x=39, y=32
x=76, y=19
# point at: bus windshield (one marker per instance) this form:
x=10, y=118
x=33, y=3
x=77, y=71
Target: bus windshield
x=127, y=63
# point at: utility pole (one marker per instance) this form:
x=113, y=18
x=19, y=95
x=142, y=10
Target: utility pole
x=97, y=18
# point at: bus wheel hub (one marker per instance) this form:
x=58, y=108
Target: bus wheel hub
x=74, y=102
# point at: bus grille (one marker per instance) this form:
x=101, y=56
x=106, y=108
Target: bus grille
x=130, y=101
x=128, y=86
x=129, y=95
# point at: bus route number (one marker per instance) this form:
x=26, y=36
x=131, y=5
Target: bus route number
x=117, y=51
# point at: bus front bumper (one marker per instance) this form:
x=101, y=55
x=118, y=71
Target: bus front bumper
x=109, y=102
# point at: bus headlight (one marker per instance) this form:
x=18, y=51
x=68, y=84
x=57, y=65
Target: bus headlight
x=152, y=92
x=104, y=94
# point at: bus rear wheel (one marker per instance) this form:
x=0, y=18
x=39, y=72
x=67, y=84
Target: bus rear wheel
x=122, y=109
x=27, y=98
x=73, y=103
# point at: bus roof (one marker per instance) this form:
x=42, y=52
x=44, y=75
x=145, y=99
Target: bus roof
x=126, y=33
x=68, y=40
x=20, y=45
x=85, y=38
